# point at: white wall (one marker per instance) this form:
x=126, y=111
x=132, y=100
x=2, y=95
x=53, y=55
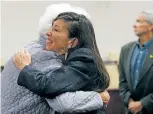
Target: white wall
x=112, y=21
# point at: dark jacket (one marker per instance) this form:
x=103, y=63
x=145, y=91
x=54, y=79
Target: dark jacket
x=144, y=88
x=78, y=73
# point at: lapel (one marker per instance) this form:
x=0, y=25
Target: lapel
x=128, y=63
x=148, y=62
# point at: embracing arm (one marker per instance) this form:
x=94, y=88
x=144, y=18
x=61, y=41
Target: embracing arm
x=75, y=102
x=74, y=76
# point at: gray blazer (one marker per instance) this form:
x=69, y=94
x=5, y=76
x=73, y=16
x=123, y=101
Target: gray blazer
x=144, y=89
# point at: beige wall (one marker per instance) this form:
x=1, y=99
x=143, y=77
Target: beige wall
x=114, y=76
x=112, y=21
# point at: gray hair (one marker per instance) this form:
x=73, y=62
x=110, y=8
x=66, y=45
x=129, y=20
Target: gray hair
x=53, y=10
x=148, y=15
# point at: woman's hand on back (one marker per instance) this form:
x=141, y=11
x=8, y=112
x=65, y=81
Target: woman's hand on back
x=21, y=59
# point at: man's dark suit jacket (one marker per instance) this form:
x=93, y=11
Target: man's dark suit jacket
x=144, y=88
x=78, y=73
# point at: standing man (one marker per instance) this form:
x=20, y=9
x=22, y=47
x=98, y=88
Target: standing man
x=136, y=68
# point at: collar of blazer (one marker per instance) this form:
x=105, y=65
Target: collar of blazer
x=129, y=49
x=148, y=62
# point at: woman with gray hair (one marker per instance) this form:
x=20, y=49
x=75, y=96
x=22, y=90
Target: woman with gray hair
x=16, y=99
